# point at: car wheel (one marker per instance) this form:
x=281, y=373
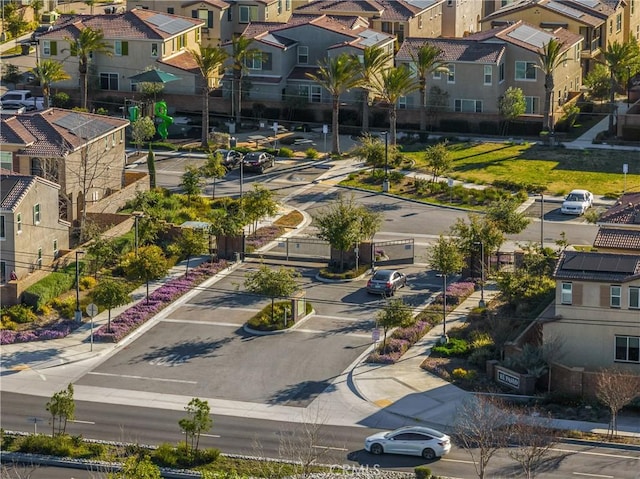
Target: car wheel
x=428, y=454
x=376, y=449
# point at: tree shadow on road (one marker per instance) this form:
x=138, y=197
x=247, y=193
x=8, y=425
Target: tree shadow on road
x=183, y=351
x=300, y=394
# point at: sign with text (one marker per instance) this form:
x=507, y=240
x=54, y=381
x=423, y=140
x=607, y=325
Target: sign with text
x=508, y=379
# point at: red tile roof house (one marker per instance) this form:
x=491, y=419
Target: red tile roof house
x=619, y=226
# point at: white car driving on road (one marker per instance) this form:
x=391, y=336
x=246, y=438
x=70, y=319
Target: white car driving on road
x=411, y=440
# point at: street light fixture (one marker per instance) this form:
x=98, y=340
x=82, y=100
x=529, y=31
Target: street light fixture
x=385, y=181
x=78, y=313
x=481, y=303
x=136, y=216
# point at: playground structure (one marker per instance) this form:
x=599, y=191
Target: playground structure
x=159, y=114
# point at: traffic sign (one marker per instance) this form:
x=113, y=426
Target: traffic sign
x=375, y=335
x=92, y=309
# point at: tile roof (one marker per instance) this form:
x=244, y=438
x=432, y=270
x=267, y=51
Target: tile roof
x=597, y=8
x=184, y=61
x=386, y=10
x=598, y=267
x=454, y=50
x=14, y=187
x=528, y=36
x=562, y=8
x=221, y=4
x=56, y=132
x=131, y=25
x=617, y=238
x=403, y=10
x=626, y=211
x=364, y=6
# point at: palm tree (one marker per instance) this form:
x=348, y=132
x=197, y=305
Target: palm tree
x=336, y=75
x=374, y=60
x=89, y=42
x=426, y=61
x=395, y=83
x=549, y=58
x=48, y=72
x=240, y=51
x=209, y=60
x=616, y=57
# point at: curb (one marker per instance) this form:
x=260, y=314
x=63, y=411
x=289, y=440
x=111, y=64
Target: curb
x=295, y=326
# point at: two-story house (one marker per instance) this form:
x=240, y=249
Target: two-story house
x=138, y=39
x=597, y=21
x=222, y=18
x=619, y=226
x=402, y=18
x=84, y=153
x=31, y=233
x=286, y=52
x=597, y=310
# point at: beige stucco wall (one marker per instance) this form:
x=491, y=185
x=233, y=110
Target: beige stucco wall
x=460, y=17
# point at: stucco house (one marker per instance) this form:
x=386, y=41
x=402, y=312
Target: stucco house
x=599, y=22
x=597, y=310
x=84, y=153
x=139, y=39
x=31, y=232
x=619, y=226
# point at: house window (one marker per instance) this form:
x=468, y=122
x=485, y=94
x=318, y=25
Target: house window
x=303, y=55
x=468, y=106
x=109, y=81
x=634, y=297
x=171, y=10
x=36, y=214
x=182, y=41
x=279, y=7
x=610, y=27
x=2, y=230
x=420, y=21
x=315, y=94
x=525, y=71
x=615, y=296
x=451, y=78
x=229, y=15
x=18, y=223
x=247, y=13
x=532, y=105
x=566, y=295
x=3, y=272
x=6, y=160
x=253, y=61
x=154, y=50
x=627, y=349
x=488, y=74
x=402, y=103
x=619, y=22
x=49, y=48
x=121, y=48
x=633, y=6
x=437, y=75
x=39, y=260
x=55, y=248
x=501, y=72
x=287, y=5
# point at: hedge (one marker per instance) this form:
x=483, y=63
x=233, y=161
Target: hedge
x=55, y=284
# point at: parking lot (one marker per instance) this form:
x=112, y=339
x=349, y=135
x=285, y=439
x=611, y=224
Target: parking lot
x=200, y=349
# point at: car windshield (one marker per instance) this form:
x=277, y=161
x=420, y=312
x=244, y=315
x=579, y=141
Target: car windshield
x=381, y=275
x=575, y=197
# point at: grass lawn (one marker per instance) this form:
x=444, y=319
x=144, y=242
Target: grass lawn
x=559, y=170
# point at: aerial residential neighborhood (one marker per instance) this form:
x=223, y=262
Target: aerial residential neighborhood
x=281, y=238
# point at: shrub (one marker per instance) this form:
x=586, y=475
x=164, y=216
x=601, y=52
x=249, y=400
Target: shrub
x=453, y=348
x=285, y=152
x=396, y=176
x=422, y=472
x=65, y=307
x=6, y=323
x=165, y=456
x=461, y=373
x=61, y=100
x=311, y=153
x=480, y=356
x=87, y=282
x=51, y=286
x=20, y=314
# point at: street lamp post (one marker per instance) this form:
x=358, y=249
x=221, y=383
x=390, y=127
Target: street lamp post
x=385, y=181
x=481, y=303
x=136, y=216
x=541, y=221
x=628, y=86
x=78, y=313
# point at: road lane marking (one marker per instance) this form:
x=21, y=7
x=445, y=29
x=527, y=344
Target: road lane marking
x=127, y=376
x=81, y=422
x=456, y=460
x=617, y=456
x=214, y=308
x=203, y=323
x=341, y=318
x=329, y=448
x=209, y=435
x=591, y=475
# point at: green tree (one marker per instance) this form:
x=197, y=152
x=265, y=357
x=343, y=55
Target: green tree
x=240, y=51
x=438, y=159
x=197, y=422
x=213, y=168
x=91, y=4
x=394, y=314
x=151, y=167
x=191, y=182
x=337, y=75
x=259, y=203
x=150, y=264
x=11, y=74
x=549, y=58
x=209, y=61
x=395, y=83
x=101, y=251
x=47, y=72
x=36, y=5
x=137, y=467
x=373, y=151
x=14, y=20
x=445, y=257
x=480, y=233
x=617, y=57
x=504, y=213
x=598, y=82
x=345, y=224
x=511, y=105
x=192, y=242
x=225, y=222
x=62, y=408
x=110, y=294
x=374, y=61
x=426, y=62
x=272, y=283
x=87, y=44
x=142, y=129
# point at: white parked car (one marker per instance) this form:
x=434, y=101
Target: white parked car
x=411, y=440
x=577, y=202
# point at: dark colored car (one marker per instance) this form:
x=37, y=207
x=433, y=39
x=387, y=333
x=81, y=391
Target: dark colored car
x=258, y=161
x=41, y=30
x=230, y=158
x=386, y=281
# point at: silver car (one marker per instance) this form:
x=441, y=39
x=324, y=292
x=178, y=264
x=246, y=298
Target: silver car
x=230, y=158
x=386, y=281
x=412, y=440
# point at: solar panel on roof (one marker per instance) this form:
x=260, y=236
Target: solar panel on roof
x=601, y=263
x=559, y=7
x=420, y=3
x=589, y=3
x=168, y=24
x=530, y=35
x=82, y=126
